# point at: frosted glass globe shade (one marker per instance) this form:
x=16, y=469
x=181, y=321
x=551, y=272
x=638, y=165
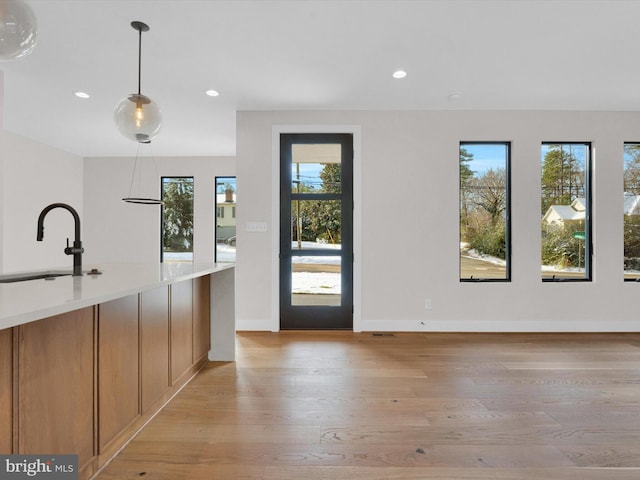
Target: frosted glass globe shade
x=138, y=118
x=18, y=29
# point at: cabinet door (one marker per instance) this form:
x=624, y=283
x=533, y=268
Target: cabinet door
x=154, y=345
x=181, y=321
x=201, y=317
x=56, y=385
x=117, y=366
x=6, y=391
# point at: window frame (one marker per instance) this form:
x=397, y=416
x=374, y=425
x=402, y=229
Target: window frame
x=219, y=180
x=507, y=213
x=588, y=227
x=624, y=274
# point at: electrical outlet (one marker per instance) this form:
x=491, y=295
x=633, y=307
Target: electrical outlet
x=427, y=304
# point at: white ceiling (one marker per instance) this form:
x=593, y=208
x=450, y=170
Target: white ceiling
x=311, y=55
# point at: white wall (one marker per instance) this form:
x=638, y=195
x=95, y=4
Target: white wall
x=122, y=232
x=2, y=201
x=32, y=176
x=418, y=151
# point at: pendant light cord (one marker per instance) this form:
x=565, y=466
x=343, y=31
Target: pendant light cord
x=138, y=168
x=135, y=166
x=139, y=59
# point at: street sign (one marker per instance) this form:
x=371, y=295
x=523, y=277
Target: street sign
x=579, y=235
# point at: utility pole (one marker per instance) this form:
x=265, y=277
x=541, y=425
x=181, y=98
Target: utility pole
x=298, y=219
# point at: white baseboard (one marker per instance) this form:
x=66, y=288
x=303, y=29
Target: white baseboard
x=499, y=326
x=432, y=325
x=256, y=325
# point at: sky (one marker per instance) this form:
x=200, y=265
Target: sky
x=221, y=183
x=309, y=173
x=579, y=151
x=486, y=156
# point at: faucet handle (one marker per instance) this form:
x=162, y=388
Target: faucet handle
x=77, y=248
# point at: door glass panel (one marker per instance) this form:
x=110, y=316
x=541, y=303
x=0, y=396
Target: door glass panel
x=316, y=224
x=316, y=280
x=316, y=168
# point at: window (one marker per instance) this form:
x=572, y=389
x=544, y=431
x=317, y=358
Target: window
x=225, y=219
x=177, y=219
x=566, y=211
x=484, y=211
x=631, y=199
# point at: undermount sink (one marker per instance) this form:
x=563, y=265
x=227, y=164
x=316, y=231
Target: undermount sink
x=23, y=277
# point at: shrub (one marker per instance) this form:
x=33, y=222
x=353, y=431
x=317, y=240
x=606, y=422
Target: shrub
x=489, y=240
x=560, y=247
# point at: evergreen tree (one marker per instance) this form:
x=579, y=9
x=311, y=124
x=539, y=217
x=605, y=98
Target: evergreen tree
x=562, y=177
x=177, y=227
x=326, y=215
x=465, y=171
x=466, y=174
x=321, y=219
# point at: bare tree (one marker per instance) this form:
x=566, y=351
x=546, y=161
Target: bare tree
x=489, y=193
x=632, y=169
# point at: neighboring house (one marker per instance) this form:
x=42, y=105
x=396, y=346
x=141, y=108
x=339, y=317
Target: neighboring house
x=561, y=215
x=225, y=216
x=631, y=204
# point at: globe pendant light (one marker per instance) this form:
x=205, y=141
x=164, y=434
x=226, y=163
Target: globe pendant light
x=18, y=30
x=137, y=116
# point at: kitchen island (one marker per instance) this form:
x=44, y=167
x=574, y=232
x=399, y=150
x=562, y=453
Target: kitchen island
x=86, y=361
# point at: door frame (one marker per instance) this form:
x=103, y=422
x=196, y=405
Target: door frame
x=316, y=315
x=354, y=130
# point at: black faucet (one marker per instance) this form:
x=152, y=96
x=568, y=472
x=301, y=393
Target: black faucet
x=77, y=249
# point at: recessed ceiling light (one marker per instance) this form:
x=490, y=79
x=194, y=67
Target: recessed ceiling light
x=399, y=74
x=212, y=93
x=81, y=94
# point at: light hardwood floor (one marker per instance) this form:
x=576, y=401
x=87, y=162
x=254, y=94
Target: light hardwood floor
x=340, y=405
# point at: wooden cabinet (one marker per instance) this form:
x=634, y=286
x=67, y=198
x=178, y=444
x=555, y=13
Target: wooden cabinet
x=154, y=345
x=201, y=317
x=6, y=391
x=56, y=386
x=118, y=359
x=181, y=328
x=84, y=382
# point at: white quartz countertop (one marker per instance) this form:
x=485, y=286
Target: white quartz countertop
x=23, y=302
